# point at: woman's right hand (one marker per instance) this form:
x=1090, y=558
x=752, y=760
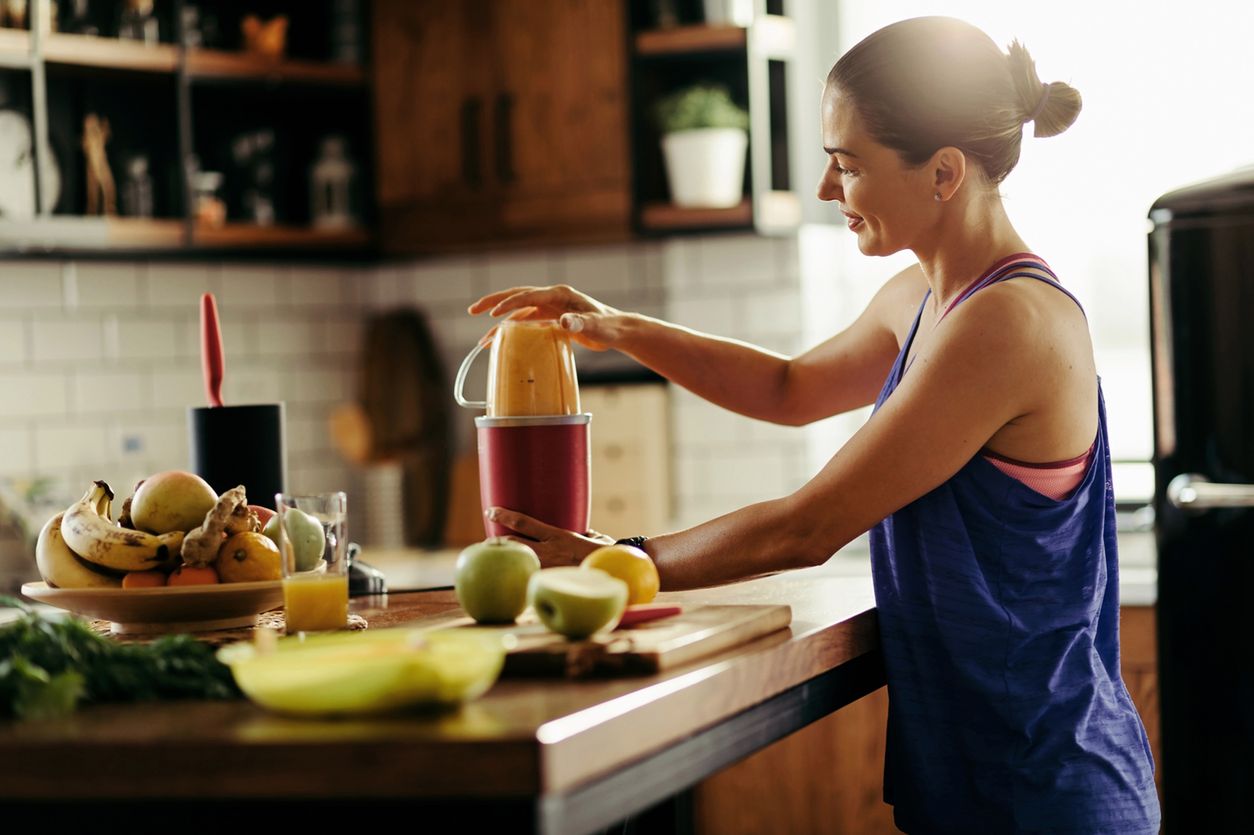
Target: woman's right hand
x=589, y=322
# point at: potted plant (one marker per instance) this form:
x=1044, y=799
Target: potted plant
x=704, y=141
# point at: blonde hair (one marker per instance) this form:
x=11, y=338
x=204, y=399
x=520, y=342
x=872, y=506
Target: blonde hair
x=931, y=82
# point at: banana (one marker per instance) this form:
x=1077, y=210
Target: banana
x=90, y=533
x=61, y=567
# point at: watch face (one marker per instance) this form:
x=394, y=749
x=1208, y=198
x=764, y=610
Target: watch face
x=17, y=168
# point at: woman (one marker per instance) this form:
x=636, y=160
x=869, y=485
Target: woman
x=983, y=473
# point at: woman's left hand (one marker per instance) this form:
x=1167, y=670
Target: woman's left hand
x=554, y=546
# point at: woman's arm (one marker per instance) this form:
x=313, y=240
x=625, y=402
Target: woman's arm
x=841, y=374
x=972, y=379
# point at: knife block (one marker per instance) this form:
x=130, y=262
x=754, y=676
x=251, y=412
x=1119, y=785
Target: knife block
x=246, y=445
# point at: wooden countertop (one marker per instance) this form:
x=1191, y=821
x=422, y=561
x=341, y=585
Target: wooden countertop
x=525, y=737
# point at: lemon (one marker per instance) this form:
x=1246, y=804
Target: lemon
x=629, y=564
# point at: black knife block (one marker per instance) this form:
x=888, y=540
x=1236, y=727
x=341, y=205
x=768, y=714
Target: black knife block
x=233, y=445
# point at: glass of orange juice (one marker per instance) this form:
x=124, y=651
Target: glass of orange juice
x=313, y=539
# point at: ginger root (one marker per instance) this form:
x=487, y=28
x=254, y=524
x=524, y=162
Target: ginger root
x=200, y=548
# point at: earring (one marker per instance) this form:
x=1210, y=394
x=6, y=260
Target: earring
x=938, y=197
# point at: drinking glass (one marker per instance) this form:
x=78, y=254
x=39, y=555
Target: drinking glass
x=313, y=540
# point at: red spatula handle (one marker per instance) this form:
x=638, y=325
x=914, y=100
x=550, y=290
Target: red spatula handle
x=211, y=349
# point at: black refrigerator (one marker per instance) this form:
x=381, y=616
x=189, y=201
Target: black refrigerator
x=1201, y=272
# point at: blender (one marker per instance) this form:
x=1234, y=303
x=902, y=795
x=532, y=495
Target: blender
x=533, y=441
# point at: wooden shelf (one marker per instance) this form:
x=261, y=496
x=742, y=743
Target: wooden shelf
x=684, y=39
x=14, y=48
x=248, y=235
x=110, y=53
x=216, y=65
x=666, y=217
x=91, y=234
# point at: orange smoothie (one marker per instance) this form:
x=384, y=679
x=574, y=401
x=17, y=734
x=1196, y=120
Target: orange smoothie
x=531, y=371
x=315, y=603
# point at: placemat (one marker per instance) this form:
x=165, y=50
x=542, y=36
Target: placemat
x=220, y=637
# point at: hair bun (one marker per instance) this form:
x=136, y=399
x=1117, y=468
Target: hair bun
x=1052, y=107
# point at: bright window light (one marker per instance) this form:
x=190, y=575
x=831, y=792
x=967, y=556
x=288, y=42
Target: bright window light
x=1164, y=106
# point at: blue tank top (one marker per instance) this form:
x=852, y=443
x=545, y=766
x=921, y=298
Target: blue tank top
x=999, y=622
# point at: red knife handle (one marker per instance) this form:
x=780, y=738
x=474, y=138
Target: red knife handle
x=644, y=612
x=211, y=349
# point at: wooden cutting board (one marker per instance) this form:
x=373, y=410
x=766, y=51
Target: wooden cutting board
x=646, y=648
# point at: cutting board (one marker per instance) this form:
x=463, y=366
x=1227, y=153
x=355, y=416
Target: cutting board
x=646, y=648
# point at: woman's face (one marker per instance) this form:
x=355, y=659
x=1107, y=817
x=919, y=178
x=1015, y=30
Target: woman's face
x=887, y=204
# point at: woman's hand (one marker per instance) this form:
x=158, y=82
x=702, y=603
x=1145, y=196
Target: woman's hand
x=590, y=323
x=554, y=546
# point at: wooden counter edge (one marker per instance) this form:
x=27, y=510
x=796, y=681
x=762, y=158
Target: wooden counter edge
x=596, y=741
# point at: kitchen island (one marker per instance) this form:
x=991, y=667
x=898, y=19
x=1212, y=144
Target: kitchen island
x=547, y=755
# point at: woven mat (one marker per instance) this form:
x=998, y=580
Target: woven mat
x=219, y=637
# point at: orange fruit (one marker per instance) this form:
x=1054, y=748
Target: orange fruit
x=629, y=564
x=247, y=557
x=143, y=579
x=189, y=575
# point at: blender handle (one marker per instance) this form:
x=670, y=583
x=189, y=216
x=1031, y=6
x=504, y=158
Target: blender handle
x=461, y=381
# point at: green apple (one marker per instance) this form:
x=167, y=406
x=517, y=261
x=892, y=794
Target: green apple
x=305, y=531
x=491, y=577
x=577, y=601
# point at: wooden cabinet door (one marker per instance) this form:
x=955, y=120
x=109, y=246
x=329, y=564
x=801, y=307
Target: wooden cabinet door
x=432, y=77
x=560, y=117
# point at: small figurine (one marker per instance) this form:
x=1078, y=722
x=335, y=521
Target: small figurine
x=268, y=39
x=100, y=187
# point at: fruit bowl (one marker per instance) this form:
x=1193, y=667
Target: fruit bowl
x=166, y=609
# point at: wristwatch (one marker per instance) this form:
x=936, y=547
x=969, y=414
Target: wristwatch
x=633, y=541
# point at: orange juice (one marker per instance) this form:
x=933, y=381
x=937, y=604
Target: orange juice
x=531, y=371
x=315, y=603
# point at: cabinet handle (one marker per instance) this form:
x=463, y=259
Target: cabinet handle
x=505, y=138
x=471, y=119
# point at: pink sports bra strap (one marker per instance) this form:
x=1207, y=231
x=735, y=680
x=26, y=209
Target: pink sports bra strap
x=1012, y=266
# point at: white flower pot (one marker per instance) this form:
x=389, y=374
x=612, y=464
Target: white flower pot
x=706, y=167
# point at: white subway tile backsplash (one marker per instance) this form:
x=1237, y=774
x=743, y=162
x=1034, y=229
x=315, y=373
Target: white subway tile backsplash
x=62, y=447
x=178, y=388
x=286, y=337
x=30, y=284
x=734, y=261
x=249, y=287
x=80, y=339
x=101, y=392
x=178, y=285
x=322, y=385
x=257, y=382
x=32, y=395
x=769, y=313
x=516, y=270
x=606, y=273
x=16, y=453
x=164, y=445
x=453, y=282
x=315, y=287
x=716, y=315
x=102, y=284
x=681, y=265
x=13, y=342
x=131, y=337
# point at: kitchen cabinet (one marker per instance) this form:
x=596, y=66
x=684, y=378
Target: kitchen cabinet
x=178, y=102
x=500, y=122
x=828, y=777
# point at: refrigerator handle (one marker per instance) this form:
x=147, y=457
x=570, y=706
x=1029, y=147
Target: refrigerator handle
x=1195, y=493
